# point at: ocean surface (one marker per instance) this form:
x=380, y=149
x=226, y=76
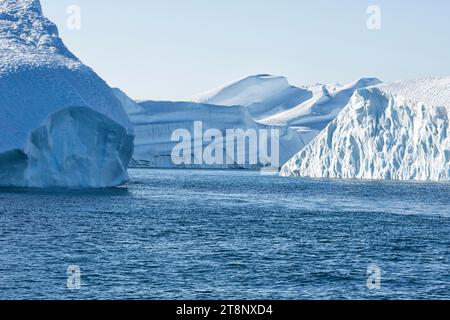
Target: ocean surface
x=186, y=234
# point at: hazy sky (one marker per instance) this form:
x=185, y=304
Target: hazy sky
x=173, y=49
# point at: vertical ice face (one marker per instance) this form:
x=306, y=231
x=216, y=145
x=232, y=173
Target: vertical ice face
x=39, y=79
x=398, y=131
x=155, y=121
x=95, y=156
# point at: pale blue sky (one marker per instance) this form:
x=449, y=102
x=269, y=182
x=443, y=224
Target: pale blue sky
x=172, y=49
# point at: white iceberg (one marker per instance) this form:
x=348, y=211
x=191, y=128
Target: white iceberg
x=271, y=100
x=263, y=95
x=256, y=102
x=154, y=123
x=62, y=125
x=398, y=131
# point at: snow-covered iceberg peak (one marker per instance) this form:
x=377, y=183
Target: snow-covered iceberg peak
x=245, y=92
x=41, y=79
x=24, y=6
x=25, y=31
x=155, y=122
x=324, y=105
x=262, y=94
x=399, y=131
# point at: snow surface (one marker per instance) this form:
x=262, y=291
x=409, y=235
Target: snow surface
x=398, y=131
x=40, y=77
x=76, y=147
x=263, y=95
x=271, y=100
x=260, y=101
x=155, y=121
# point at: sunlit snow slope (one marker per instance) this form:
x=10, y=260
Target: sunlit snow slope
x=260, y=101
x=263, y=95
x=272, y=100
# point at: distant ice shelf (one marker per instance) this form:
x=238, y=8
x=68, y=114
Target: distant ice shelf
x=155, y=121
x=259, y=101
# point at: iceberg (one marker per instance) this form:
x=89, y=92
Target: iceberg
x=326, y=102
x=154, y=122
x=272, y=101
x=62, y=125
x=398, y=131
x=263, y=95
x=256, y=102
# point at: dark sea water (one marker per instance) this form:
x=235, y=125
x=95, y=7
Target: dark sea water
x=175, y=234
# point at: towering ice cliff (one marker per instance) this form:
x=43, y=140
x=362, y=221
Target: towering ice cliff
x=61, y=125
x=398, y=131
x=155, y=121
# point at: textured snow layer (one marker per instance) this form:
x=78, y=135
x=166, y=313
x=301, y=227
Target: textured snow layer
x=399, y=131
x=155, y=121
x=38, y=78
